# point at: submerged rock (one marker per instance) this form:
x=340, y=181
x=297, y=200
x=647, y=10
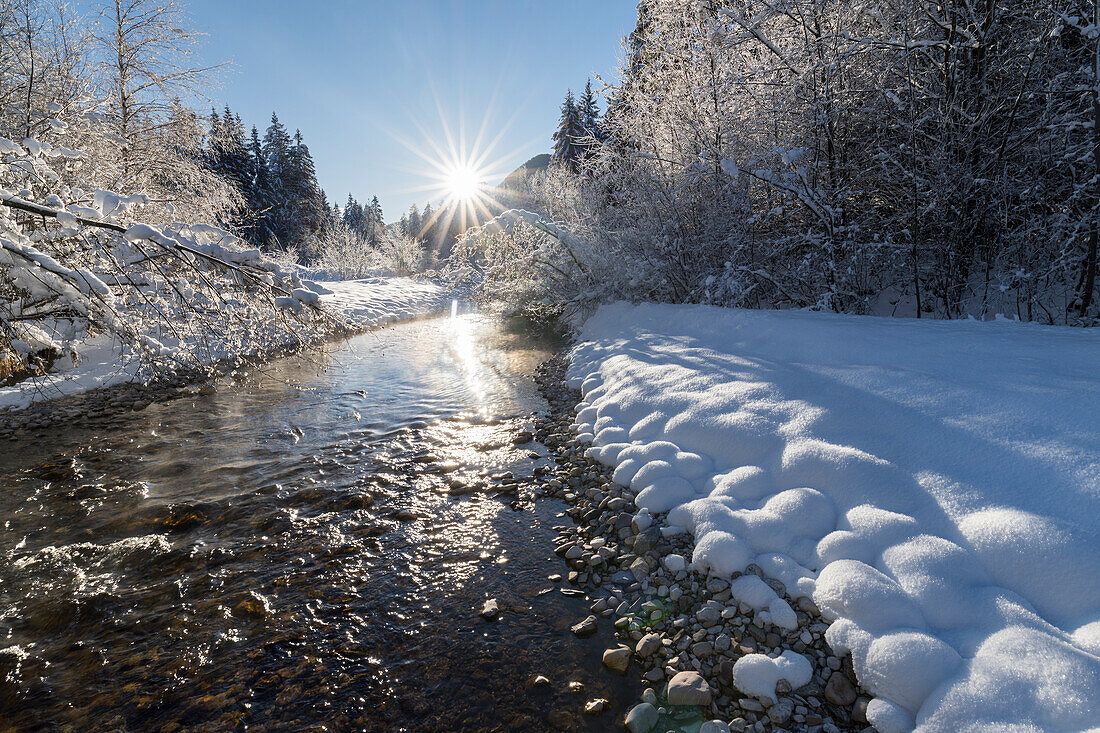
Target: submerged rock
x=642, y=718
x=585, y=628
x=596, y=707
x=491, y=610
x=617, y=660
x=252, y=606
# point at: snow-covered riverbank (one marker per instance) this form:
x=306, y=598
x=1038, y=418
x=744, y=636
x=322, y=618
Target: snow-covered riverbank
x=933, y=486
x=362, y=304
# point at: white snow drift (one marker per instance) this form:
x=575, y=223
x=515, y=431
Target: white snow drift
x=933, y=486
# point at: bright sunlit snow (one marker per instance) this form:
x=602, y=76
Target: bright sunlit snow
x=933, y=486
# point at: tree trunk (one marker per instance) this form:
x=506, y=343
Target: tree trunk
x=1088, y=274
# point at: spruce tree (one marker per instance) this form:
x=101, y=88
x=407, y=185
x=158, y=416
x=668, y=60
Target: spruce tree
x=276, y=149
x=569, y=137
x=590, y=112
x=303, y=193
x=276, y=152
x=234, y=163
x=428, y=226
x=415, y=223
x=353, y=215
x=376, y=211
x=259, y=194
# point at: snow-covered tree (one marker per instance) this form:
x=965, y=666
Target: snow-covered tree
x=108, y=206
x=904, y=156
x=590, y=120
x=569, y=137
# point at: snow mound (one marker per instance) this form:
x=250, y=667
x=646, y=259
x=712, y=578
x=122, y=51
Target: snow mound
x=933, y=486
x=758, y=674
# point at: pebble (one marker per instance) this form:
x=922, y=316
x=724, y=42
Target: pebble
x=702, y=650
x=648, y=645
x=585, y=628
x=839, y=690
x=781, y=712
x=714, y=726
x=709, y=615
x=859, y=709
x=689, y=688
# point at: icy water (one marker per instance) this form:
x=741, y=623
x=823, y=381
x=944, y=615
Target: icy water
x=295, y=549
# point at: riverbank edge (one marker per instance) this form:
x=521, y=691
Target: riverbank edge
x=673, y=622
x=104, y=403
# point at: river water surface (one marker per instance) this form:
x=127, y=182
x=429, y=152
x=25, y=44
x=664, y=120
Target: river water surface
x=303, y=547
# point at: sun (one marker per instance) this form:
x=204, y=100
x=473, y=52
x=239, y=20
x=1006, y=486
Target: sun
x=464, y=183
x=465, y=178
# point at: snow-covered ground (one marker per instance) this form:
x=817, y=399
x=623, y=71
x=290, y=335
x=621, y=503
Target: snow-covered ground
x=933, y=486
x=364, y=304
x=378, y=301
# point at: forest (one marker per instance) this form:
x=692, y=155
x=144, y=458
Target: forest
x=898, y=157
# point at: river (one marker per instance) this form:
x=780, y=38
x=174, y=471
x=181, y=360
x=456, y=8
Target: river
x=303, y=546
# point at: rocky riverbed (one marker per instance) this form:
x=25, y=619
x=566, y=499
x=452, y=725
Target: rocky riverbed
x=709, y=660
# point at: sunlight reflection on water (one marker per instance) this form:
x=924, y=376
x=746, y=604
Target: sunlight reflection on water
x=289, y=550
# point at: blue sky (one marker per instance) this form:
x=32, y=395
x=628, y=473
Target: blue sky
x=359, y=77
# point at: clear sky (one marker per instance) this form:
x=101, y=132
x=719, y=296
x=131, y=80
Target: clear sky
x=361, y=79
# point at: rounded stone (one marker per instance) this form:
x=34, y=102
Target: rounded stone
x=642, y=718
x=689, y=688
x=648, y=645
x=617, y=660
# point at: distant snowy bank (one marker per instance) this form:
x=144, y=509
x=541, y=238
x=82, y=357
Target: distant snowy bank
x=362, y=304
x=378, y=301
x=933, y=486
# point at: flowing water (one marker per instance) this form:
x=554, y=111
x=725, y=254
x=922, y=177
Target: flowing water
x=303, y=547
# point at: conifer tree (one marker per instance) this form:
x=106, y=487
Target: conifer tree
x=276, y=153
x=415, y=223
x=259, y=194
x=353, y=215
x=276, y=150
x=590, y=112
x=428, y=227
x=570, y=134
x=232, y=151
x=303, y=195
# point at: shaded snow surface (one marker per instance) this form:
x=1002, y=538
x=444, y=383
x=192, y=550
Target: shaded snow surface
x=933, y=486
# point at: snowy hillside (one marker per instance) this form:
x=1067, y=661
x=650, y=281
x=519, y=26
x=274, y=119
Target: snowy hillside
x=933, y=486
